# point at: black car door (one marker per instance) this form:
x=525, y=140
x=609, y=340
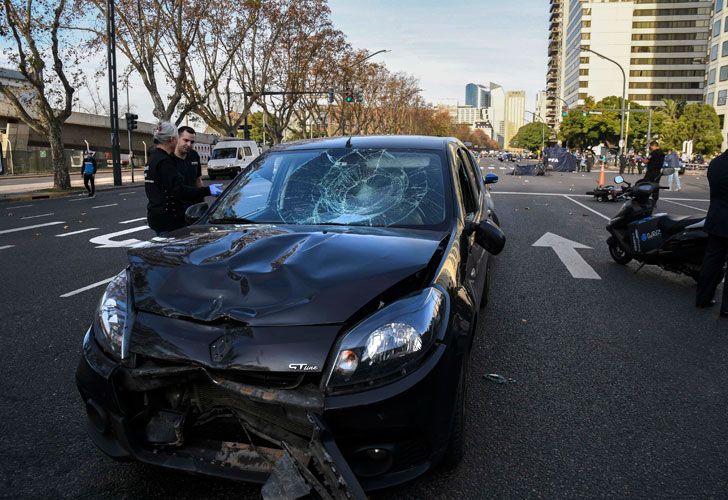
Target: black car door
x=472, y=201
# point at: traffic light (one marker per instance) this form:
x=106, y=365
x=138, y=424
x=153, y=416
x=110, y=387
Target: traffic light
x=331, y=96
x=585, y=111
x=349, y=96
x=131, y=121
x=564, y=111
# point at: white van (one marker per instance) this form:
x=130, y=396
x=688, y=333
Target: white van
x=231, y=156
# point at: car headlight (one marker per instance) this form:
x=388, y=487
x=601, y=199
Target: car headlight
x=390, y=343
x=111, y=315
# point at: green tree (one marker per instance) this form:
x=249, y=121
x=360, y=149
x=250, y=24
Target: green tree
x=531, y=136
x=699, y=123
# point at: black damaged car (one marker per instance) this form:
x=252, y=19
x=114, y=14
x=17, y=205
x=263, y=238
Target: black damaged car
x=311, y=328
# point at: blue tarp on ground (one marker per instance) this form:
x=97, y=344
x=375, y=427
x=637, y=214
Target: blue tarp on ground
x=535, y=169
x=559, y=159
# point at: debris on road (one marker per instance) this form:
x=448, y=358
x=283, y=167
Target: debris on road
x=498, y=378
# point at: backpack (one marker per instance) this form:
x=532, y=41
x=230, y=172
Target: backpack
x=88, y=168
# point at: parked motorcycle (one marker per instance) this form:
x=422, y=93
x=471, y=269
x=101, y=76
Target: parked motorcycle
x=673, y=243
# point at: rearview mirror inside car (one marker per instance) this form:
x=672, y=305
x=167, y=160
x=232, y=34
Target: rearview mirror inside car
x=193, y=213
x=489, y=236
x=490, y=178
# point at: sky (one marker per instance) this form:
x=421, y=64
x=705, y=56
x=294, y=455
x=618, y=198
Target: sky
x=446, y=45
x=450, y=44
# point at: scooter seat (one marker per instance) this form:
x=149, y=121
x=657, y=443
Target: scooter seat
x=670, y=224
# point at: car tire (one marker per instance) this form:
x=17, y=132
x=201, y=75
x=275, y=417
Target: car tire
x=618, y=252
x=455, y=444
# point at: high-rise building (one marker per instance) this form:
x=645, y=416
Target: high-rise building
x=477, y=96
x=542, y=103
x=716, y=93
x=661, y=44
x=514, y=110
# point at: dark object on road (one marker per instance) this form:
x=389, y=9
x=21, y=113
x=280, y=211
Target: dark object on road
x=559, y=159
x=716, y=225
x=608, y=193
x=532, y=169
x=318, y=317
x=675, y=244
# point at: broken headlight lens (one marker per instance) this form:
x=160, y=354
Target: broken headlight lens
x=391, y=342
x=111, y=315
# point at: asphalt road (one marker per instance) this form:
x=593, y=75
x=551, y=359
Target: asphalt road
x=619, y=382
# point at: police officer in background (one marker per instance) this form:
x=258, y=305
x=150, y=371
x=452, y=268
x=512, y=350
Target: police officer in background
x=654, y=165
x=164, y=182
x=716, y=225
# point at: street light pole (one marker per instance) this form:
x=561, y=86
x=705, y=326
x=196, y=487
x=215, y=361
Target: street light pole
x=128, y=130
x=624, y=92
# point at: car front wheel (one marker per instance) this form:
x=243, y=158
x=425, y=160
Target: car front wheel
x=455, y=445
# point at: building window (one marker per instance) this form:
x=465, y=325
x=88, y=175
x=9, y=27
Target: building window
x=716, y=28
x=721, y=120
x=709, y=98
x=714, y=52
x=711, y=77
x=722, y=94
x=723, y=75
x=718, y=5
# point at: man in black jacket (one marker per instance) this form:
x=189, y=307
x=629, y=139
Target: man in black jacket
x=716, y=225
x=164, y=182
x=654, y=169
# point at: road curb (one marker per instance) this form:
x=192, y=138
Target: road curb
x=45, y=194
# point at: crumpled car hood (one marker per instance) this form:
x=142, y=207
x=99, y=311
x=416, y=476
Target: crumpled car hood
x=268, y=275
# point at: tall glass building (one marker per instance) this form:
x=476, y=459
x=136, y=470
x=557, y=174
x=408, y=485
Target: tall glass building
x=477, y=96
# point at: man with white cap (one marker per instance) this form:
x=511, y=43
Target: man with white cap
x=165, y=186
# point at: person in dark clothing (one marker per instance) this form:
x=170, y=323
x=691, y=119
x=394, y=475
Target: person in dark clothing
x=164, y=182
x=188, y=158
x=716, y=225
x=653, y=171
x=88, y=170
x=590, y=160
x=622, y=163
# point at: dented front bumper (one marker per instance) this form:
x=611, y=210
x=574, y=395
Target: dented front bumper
x=189, y=418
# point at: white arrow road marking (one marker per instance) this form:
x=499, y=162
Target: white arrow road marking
x=89, y=287
x=105, y=240
x=566, y=252
x=34, y=226
x=62, y=235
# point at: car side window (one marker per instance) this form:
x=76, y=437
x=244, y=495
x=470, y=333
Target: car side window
x=470, y=198
x=475, y=171
x=248, y=151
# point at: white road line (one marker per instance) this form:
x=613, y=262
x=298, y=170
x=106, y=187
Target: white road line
x=588, y=208
x=18, y=206
x=83, y=198
x=540, y=194
x=89, y=287
x=62, y=235
x=126, y=193
x=104, y=206
x=27, y=228
x=132, y=220
x=684, y=205
x=6, y=246
x=36, y=216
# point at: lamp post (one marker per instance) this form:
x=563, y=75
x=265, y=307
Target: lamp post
x=624, y=91
x=352, y=66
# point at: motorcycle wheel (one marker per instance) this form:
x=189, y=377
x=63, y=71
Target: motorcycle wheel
x=618, y=253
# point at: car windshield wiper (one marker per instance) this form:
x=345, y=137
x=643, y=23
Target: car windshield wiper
x=232, y=220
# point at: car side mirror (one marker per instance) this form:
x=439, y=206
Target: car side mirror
x=490, y=178
x=489, y=236
x=619, y=179
x=193, y=213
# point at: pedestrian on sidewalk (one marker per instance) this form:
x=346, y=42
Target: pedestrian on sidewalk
x=165, y=186
x=89, y=173
x=673, y=161
x=716, y=225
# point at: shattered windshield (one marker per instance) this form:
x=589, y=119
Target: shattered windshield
x=359, y=187
x=224, y=153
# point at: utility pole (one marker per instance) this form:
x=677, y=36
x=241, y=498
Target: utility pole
x=622, y=143
x=113, y=97
x=128, y=129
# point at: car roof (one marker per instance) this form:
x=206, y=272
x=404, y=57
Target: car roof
x=371, y=141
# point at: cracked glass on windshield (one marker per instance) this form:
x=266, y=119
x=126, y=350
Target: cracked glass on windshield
x=359, y=187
